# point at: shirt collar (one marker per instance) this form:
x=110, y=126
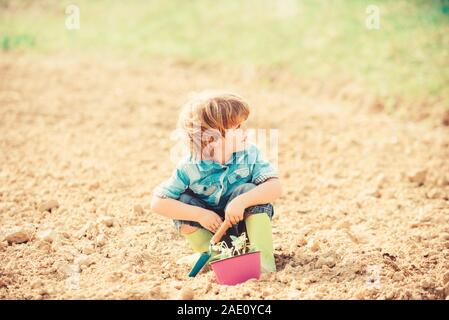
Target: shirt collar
x=236, y=157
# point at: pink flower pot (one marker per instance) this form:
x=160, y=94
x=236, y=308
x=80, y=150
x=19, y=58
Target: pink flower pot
x=238, y=269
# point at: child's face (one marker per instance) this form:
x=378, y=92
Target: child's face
x=236, y=138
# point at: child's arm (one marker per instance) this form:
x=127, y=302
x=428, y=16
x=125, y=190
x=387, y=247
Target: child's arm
x=165, y=203
x=265, y=176
x=175, y=209
x=265, y=192
x=268, y=187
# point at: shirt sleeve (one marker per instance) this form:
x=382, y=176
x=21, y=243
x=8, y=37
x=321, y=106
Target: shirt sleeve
x=174, y=186
x=262, y=170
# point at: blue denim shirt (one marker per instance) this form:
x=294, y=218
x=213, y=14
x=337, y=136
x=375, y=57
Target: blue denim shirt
x=213, y=182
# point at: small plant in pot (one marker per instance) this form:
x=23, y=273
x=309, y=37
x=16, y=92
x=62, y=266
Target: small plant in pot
x=236, y=264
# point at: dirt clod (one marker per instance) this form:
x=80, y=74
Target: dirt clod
x=18, y=237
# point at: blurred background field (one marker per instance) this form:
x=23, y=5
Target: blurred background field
x=403, y=64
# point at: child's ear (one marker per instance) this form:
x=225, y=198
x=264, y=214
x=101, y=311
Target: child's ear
x=209, y=149
x=214, y=142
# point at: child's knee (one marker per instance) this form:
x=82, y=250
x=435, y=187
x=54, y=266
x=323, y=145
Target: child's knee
x=189, y=199
x=185, y=197
x=187, y=229
x=245, y=187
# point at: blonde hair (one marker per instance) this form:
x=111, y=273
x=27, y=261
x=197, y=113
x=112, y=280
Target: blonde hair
x=207, y=115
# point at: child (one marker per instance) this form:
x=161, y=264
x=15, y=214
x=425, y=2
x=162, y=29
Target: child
x=223, y=178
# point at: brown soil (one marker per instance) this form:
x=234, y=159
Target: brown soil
x=364, y=215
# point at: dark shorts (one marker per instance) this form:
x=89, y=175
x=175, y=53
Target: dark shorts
x=189, y=198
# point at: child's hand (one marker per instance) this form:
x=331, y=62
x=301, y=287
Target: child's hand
x=210, y=220
x=234, y=211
